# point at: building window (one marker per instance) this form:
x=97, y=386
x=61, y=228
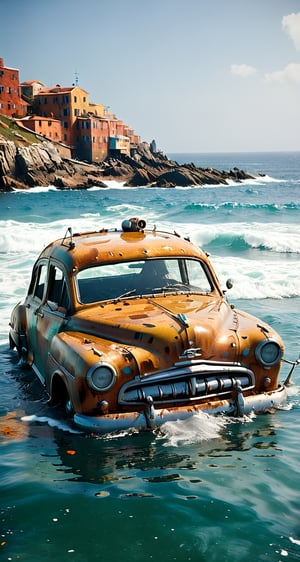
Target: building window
x=76, y=112
x=65, y=124
x=66, y=112
x=86, y=138
x=40, y=123
x=45, y=101
x=1, y=89
x=75, y=99
x=65, y=137
x=65, y=99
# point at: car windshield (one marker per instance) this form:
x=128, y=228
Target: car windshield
x=144, y=277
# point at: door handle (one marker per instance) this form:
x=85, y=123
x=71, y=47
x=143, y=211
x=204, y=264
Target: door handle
x=39, y=313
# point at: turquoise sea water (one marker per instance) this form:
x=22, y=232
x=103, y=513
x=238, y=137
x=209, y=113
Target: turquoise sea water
x=204, y=490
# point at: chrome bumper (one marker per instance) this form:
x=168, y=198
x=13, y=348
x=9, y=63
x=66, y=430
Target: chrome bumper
x=151, y=417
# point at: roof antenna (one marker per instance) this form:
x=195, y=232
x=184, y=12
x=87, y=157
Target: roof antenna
x=71, y=244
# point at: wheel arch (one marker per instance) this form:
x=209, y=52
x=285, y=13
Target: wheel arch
x=59, y=393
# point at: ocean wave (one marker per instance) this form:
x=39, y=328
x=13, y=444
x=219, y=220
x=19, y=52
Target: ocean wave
x=275, y=238
x=235, y=205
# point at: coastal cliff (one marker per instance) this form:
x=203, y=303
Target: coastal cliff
x=41, y=164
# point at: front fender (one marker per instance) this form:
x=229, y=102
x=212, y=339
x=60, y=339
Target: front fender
x=72, y=355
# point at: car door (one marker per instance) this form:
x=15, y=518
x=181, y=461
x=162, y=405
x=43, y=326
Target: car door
x=47, y=314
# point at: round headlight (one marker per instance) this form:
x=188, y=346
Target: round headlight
x=101, y=376
x=268, y=352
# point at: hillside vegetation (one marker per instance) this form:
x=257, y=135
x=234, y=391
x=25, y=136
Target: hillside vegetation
x=11, y=131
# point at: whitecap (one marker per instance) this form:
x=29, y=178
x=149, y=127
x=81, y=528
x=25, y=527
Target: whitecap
x=51, y=422
x=195, y=429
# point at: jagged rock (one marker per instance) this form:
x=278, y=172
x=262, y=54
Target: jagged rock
x=37, y=164
x=238, y=175
x=176, y=177
x=8, y=152
x=77, y=181
x=10, y=184
x=140, y=178
x=163, y=182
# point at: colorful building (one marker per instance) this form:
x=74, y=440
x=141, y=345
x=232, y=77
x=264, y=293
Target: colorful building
x=45, y=126
x=65, y=115
x=11, y=103
x=65, y=104
x=30, y=89
x=92, y=138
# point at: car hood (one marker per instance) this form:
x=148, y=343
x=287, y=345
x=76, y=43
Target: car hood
x=165, y=326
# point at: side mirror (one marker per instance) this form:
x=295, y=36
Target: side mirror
x=229, y=283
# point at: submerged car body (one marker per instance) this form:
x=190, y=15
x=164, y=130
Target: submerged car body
x=131, y=328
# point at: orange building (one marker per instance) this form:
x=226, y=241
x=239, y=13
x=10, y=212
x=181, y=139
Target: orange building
x=11, y=103
x=44, y=126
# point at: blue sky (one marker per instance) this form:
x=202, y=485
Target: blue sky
x=195, y=75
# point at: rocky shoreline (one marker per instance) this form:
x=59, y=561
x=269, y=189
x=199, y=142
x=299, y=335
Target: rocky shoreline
x=41, y=164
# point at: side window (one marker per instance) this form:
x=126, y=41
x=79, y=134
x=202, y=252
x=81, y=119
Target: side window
x=58, y=293
x=197, y=276
x=38, y=282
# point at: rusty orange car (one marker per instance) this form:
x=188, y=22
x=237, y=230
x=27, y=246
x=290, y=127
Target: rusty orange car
x=130, y=327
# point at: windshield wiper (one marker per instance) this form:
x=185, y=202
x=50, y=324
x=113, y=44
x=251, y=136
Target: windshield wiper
x=124, y=295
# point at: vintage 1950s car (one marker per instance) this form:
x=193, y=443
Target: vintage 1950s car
x=131, y=328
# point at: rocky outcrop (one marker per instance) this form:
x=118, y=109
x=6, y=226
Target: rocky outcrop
x=23, y=167
x=146, y=168
x=42, y=165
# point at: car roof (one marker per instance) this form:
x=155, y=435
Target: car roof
x=81, y=250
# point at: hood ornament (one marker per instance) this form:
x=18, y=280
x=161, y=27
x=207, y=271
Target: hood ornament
x=191, y=353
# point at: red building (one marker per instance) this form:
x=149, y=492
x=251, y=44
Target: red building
x=11, y=103
x=92, y=138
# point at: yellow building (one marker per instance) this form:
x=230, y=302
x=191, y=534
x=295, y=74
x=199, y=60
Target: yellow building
x=97, y=109
x=65, y=104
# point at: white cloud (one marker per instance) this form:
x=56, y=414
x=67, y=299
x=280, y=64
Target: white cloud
x=243, y=70
x=291, y=24
x=291, y=73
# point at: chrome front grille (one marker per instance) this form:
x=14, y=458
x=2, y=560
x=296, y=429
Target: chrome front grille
x=189, y=381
